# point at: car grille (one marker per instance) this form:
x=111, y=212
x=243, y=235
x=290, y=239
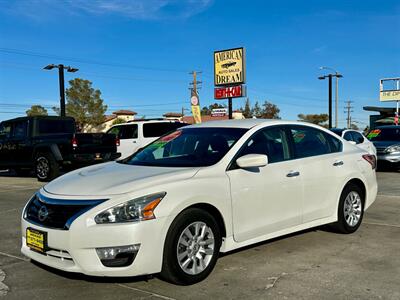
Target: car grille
x=56, y=214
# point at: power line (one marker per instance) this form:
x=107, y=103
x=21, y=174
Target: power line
x=85, y=61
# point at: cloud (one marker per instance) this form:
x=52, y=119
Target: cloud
x=133, y=9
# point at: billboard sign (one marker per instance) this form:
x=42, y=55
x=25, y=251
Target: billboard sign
x=389, y=89
x=229, y=92
x=229, y=67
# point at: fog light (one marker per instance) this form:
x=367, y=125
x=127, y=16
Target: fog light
x=121, y=256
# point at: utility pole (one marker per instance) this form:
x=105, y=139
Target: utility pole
x=194, y=83
x=348, y=108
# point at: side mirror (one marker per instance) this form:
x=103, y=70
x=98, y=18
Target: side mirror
x=252, y=161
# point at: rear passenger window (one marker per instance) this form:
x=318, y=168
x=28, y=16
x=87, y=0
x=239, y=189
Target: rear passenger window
x=347, y=136
x=160, y=128
x=129, y=132
x=20, y=129
x=271, y=142
x=309, y=142
x=357, y=137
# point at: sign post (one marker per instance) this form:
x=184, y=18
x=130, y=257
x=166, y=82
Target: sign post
x=389, y=90
x=229, y=75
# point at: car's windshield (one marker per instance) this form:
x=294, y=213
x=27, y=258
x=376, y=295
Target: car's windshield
x=187, y=147
x=384, y=134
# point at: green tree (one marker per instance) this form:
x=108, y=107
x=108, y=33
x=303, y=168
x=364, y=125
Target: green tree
x=256, y=111
x=118, y=121
x=318, y=119
x=207, y=110
x=36, y=110
x=246, y=111
x=84, y=103
x=270, y=111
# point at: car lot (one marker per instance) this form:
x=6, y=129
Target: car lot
x=311, y=264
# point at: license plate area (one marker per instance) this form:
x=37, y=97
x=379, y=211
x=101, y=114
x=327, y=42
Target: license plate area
x=36, y=240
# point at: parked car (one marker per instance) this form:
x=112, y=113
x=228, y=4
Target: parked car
x=48, y=143
x=203, y=189
x=387, y=142
x=137, y=134
x=357, y=138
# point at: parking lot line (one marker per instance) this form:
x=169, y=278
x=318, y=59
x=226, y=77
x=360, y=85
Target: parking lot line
x=146, y=292
x=13, y=256
x=382, y=224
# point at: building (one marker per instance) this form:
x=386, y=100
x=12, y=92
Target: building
x=173, y=116
x=385, y=117
x=119, y=116
x=236, y=114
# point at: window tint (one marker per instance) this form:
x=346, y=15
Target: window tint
x=5, y=130
x=124, y=132
x=384, y=134
x=55, y=126
x=337, y=131
x=357, y=137
x=348, y=136
x=20, y=129
x=309, y=141
x=334, y=143
x=271, y=142
x=160, y=128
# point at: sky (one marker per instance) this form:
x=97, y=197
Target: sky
x=139, y=52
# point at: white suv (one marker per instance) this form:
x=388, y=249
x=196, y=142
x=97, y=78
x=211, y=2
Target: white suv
x=139, y=133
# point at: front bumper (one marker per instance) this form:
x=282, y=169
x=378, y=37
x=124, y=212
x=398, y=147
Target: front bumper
x=74, y=250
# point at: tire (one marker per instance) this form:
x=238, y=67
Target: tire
x=202, y=257
x=46, y=167
x=350, y=210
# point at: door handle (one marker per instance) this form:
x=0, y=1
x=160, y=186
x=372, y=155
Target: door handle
x=134, y=142
x=338, y=163
x=293, y=174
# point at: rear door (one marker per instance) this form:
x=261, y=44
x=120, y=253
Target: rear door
x=128, y=138
x=321, y=169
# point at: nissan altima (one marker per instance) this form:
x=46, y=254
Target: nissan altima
x=174, y=205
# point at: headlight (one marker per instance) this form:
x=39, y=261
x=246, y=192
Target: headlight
x=138, y=209
x=392, y=149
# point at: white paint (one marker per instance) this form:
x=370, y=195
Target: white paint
x=3, y=288
x=256, y=205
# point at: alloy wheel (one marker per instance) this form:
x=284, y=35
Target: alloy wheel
x=352, y=208
x=195, y=248
x=42, y=167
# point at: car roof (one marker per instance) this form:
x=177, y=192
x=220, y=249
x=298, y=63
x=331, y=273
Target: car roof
x=147, y=121
x=250, y=123
x=388, y=126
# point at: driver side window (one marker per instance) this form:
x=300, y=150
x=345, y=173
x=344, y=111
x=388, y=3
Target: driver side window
x=272, y=142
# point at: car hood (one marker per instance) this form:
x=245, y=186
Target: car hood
x=114, y=178
x=385, y=144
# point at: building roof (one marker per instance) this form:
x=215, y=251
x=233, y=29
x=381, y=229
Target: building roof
x=125, y=112
x=172, y=115
x=109, y=118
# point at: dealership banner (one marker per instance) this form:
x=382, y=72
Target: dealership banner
x=194, y=100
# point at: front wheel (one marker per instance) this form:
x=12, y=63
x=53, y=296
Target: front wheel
x=191, y=247
x=350, y=210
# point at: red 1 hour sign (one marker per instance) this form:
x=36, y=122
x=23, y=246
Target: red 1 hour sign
x=228, y=92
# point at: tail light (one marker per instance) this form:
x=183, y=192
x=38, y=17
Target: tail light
x=74, y=142
x=117, y=142
x=371, y=159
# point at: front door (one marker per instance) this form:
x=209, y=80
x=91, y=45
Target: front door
x=5, y=146
x=266, y=199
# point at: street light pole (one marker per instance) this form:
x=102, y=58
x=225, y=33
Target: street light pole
x=330, y=100
x=337, y=75
x=62, y=89
x=61, y=69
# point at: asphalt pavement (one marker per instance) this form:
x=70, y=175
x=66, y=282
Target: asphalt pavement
x=313, y=264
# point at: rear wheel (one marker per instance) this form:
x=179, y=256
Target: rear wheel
x=46, y=167
x=191, y=247
x=351, y=209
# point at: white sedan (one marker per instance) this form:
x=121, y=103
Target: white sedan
x=357, y=138
x=203, y=189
